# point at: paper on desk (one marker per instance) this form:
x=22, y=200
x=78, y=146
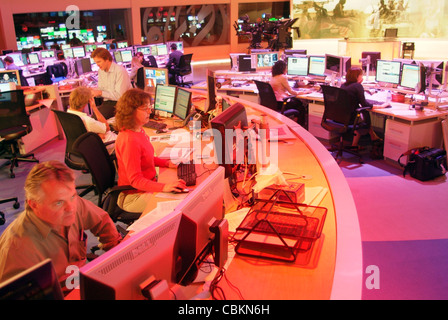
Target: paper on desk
x=163, y=209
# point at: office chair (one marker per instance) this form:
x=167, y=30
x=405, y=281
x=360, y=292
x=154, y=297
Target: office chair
x=56, y=72
x=100, y=164
x=14, y=124
x=16, y=205
x=183, y=69
x=140, y=78
x=268, y=99
x=341, y=116
x=73, y=128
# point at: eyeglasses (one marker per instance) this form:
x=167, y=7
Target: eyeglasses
x=147, y=108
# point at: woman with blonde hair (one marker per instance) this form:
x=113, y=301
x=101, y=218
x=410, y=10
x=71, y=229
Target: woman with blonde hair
x=135, y=153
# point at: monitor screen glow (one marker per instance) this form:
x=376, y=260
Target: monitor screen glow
x=410, y=76
x=126, y=56
x=165, y=98
x=162, y=49
x=316, y=66
x=183, y=103
x=388, y=71
x=297, y=66
x=78, y=52
x=266, y=59
x=155, y=76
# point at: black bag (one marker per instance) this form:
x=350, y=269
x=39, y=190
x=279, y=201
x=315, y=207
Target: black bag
x=425, y=163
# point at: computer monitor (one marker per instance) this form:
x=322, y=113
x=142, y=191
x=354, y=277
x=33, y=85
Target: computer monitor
x=17, y=57
x=122, y=44
x=336, y=65
x=90, y=47
x=119, y=274
x=297, y=66
x=245, y=63
x=437, y=67
x=2, y=66
x=103, y=45
x=165, y=98
x=391, y=33
x=374, y=57
x=83, y=66
x=162, y=49
x=266, y=60
x=316, y=66
x=9, y=79
x=117, y=56
x=226, y=140
x=182, y=105
x=45, y=54
x=388, y=71
x=179, y=45
x=78, y=52
x=154, y=77
x=290, y=52
x=126, y=56
x=211, y=91
x=38, y=282
x=410, y=76
x=33, y=58
x=146, y=50
x=153, y=49
x=68, y=52
x=200, y=210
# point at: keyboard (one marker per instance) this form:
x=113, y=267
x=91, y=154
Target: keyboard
x=152, y=124
x=187, y=172
x=286, y=224
x=375, y=102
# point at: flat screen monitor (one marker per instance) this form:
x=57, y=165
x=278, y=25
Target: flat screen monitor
x=153, y=49
x=245, y=63
x=146, y=50
x=117, y=56
x=122, y=44
x=410, y=76
x=297, y=66
x=388, y=71
x=165, y=98
x=102, y=45
x=68, y=52
x=119, y=274
x=228, y=146
x=266, y=60
x=334, y=65
x=17, y=57
x=290, y=52
x=7, y=77
x=211, y=91
x=316, y=66
x=162, y=49
x=83, y=66
x=437, y=67
x=182, y=105
x=78, y=52
x=90, y=47
x=200, y=209
x=39, y=282
x=33, y=58
x=374, y=57
x=126, y=56
x=154, y=77
x=45, y=54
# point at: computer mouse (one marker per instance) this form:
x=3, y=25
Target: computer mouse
x=161, y=131
x=181, y=191
x=389, y=106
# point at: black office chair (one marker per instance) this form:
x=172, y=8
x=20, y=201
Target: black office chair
x=140, y=78
x=92, y=149
x=73, y=128
x=56, y=73
x=183, y=69
x=16, y=205
x=342, y=116
x=14, y=124
x=268, y=99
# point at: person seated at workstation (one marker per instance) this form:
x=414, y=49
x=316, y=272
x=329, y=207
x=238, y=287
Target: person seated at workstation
x=79, y=100
x=353, y=85
x=53, y=223
x=74, y=41
x=282, y=89
x=135, y=65
x=135, y=153
x=142, y=59
x=10, y=65
x=173, y=62
x=113, y=81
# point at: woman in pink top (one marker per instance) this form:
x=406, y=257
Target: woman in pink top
x=135, y=153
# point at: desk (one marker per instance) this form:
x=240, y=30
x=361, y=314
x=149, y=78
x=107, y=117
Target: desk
x=334, y=268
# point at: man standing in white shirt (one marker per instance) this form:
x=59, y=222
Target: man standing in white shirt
x=113, y=81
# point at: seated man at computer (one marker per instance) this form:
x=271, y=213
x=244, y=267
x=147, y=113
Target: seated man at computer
x=9, y=64
x=79, y=98
x=53, y=223
x=173, y=62
x=113, y=81
x=142, y=59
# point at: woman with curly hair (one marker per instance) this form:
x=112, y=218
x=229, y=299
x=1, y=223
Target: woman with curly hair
x=135, y=153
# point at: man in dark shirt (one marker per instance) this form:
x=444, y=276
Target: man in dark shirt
x=173, y=62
